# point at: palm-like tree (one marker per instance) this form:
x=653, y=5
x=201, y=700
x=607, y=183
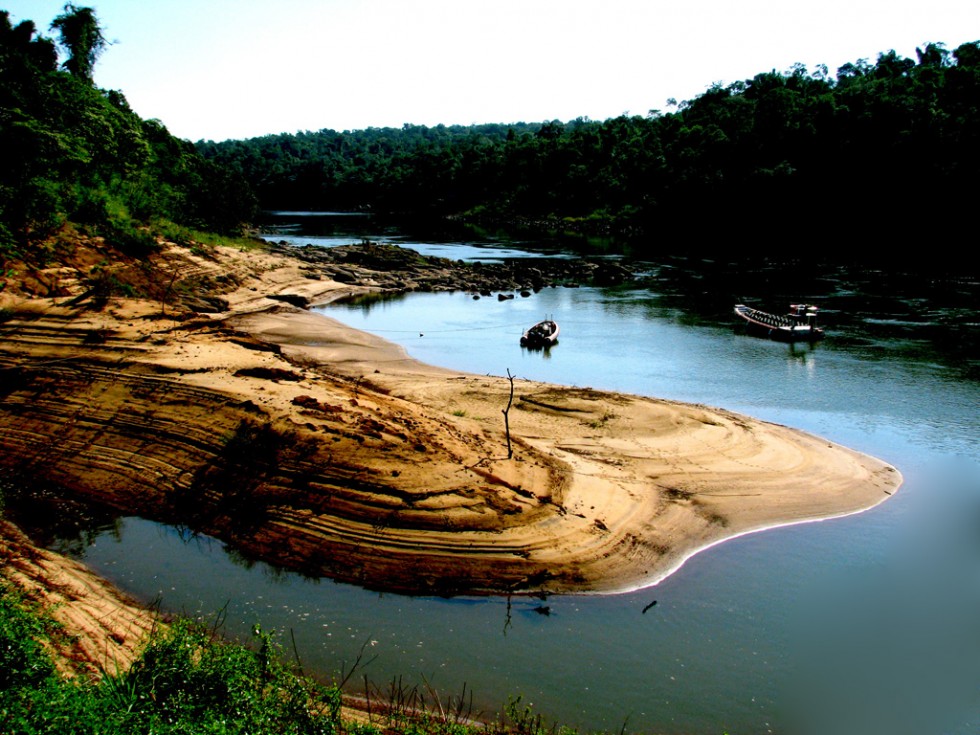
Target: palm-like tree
x=82, y=37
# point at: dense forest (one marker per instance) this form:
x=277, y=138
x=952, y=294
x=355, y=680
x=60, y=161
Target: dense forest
x=880, y=151
x=74, y=152
x=884, y=149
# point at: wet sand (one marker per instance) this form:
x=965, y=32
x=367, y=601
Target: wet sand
x=312, y=445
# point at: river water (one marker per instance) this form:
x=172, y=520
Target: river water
x=862, y=624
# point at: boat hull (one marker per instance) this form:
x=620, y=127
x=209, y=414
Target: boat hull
x=542, y=334
x=778, y=328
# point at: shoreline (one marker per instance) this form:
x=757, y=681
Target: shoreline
x=719, y=542
x=405, y=357
x=323, y=449
x=395, y=370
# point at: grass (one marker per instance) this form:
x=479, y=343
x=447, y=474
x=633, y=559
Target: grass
x=189, y=679
x=202, y=242
x=600, y=422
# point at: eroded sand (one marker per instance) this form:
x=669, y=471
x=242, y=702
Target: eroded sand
x=324, y=449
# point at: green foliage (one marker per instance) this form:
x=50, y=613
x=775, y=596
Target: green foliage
x=524, y=721
x=187, y=680
x=189, y=676
x=23, y=661
x=190, y=680
x=382, y=168
x=203, y=241
x=104, y=285
x=81, y=35
x=130, y=236
x=795, y=155
x=74, y=152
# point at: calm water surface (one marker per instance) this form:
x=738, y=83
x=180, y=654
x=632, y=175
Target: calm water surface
x=862, y=624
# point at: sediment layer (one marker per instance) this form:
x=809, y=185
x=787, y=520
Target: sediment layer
x=310, y=445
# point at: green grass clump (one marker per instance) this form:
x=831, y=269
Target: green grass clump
x=190, y=680
x=212, y=239
x=187, y=681
x=200, y=241
x=23, y=660
x=28, y=679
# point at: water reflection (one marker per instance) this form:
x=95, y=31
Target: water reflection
x=56, y=519
x=866, y=623
x=628, y=340
x=928, y=317
x=915, y=315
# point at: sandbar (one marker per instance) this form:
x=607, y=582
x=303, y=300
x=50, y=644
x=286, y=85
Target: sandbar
x=315, y=446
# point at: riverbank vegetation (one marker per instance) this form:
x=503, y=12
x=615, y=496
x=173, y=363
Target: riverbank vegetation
x=76, y=153
x=878, y=148
x=770, y=153
x=188, y=679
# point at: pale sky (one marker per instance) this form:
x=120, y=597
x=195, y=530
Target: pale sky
x=220, y=69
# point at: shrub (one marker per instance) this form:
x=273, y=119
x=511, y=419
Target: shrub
x=23, y=661
x=187, y=681
x=189, y=675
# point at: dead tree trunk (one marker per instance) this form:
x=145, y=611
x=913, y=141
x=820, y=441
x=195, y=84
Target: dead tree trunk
x=506, y=412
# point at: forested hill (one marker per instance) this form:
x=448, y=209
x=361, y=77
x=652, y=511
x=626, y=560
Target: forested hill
x=884, y=149
x=74, y=152
x=875, y=151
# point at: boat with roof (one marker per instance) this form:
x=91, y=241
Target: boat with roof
x=799, y=325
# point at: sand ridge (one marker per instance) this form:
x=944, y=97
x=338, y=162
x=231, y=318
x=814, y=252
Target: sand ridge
x=312, y=445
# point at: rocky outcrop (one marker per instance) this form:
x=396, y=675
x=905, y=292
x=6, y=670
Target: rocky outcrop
x=334, y=484
x=391, y=267
x=307, y=444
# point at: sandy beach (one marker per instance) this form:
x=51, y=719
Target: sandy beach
x=323, y=449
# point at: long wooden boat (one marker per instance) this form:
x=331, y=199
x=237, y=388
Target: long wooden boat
x=799, y=325
x=542, y=334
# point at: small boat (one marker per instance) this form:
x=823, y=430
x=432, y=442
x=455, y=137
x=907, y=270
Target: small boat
x=542, y=334
x=799, y=325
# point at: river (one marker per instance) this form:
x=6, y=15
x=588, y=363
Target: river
x=863, y=624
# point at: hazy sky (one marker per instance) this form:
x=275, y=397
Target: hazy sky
x=218, y=69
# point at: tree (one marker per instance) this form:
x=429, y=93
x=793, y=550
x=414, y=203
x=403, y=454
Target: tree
x=21, y=53
x=82, y=37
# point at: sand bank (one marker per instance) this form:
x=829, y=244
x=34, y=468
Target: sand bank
x=321, y=448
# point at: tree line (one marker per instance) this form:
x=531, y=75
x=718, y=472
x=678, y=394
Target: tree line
x=876, y=151
x=74, y=152
x=889, y=148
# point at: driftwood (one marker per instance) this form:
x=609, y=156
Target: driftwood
x=506, y=412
